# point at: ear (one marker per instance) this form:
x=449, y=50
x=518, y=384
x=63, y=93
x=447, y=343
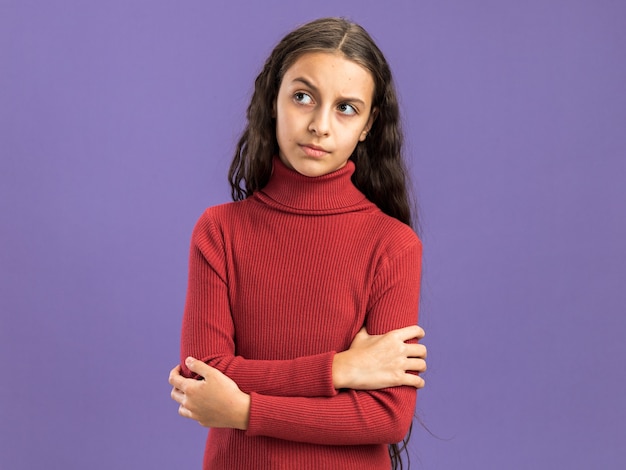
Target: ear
x=368, y=126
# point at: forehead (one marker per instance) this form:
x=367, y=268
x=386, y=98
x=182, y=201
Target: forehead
x=331, y=72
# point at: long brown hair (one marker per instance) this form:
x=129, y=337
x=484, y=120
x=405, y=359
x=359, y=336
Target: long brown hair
x=380, y=170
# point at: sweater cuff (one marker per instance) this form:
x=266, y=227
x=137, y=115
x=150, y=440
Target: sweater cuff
x=313, y=376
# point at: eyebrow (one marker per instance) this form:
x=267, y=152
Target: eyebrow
x=316, y=90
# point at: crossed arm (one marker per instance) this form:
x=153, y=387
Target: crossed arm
x=372, y=362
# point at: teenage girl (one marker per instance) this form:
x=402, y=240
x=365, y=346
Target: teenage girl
x=303, y=294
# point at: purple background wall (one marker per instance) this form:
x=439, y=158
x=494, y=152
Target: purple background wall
x=117, y=123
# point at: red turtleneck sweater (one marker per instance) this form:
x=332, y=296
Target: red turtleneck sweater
x=277, y=284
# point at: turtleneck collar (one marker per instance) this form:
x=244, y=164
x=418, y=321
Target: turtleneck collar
x=332, y=192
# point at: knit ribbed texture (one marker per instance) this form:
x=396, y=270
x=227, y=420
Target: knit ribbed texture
x=277, y=284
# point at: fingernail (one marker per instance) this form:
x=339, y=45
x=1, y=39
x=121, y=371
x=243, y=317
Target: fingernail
x=189, y=361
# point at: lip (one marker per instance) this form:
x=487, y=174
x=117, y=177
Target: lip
x=313, y=150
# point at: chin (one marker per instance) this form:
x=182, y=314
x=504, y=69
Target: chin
x=313, y=169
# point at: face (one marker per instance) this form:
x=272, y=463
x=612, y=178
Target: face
x=323, y=109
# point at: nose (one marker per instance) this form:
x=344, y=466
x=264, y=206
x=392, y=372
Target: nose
x=320, y=123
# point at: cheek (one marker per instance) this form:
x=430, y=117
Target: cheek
x=352, y=138
x=280, y=129
x=282, y=133
x=285, y=126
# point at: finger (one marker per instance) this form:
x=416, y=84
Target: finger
x=176, y=380
x=198, y=367
x=416, y=350
x=421, y=383
x=184, y=412
x=421, y=333
x=174, y=371
x=413, y=380
x=416, y=365
x=174, y=374
x=177, y=395
x=409, y=332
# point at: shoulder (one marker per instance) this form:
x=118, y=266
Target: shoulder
x=392, y=236
x=225, y=213
x=215, y=221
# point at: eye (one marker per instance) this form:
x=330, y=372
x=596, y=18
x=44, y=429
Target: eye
x=302, y=98
x=347, y=109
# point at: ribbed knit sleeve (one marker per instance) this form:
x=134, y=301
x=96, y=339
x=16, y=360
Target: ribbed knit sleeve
x=355, y=417
x=208, y=331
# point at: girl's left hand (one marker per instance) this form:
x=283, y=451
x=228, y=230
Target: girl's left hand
x=214, y=401
x=379, y=361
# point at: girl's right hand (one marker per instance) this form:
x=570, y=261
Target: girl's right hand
x=380, y=361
